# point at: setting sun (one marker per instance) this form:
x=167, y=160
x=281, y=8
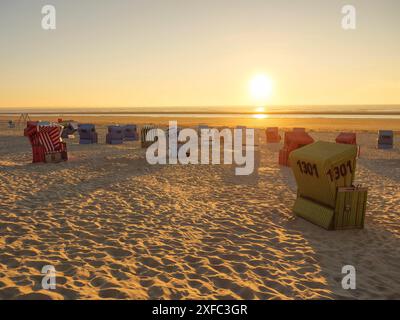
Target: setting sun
x=261, y=87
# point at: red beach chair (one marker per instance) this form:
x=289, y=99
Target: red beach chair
x=46, y=142
x=348, y=138
x=293, y=140
x=273, y=135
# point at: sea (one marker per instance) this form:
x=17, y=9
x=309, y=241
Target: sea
x=304, y=112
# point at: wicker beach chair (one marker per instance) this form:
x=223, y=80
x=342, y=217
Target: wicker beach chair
x=130, y=132
x=115, y=135
x=293, y=140
x=46, y=142
x=385, y=139
x=87, y=134
x=147, y=136
x=70, y=127
x=326, y=195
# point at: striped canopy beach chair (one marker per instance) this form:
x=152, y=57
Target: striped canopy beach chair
x=46, y=142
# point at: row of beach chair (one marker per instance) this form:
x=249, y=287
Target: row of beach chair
x=115, y=134
x=46, y=138
x=299, y=138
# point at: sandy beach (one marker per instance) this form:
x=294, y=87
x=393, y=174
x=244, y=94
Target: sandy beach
x=116, y=227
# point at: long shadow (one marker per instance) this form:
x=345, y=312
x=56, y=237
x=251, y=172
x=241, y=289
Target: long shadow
x=372, y=251
x=130, y=168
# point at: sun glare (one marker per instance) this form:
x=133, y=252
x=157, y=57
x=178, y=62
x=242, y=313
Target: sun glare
x=261, y=87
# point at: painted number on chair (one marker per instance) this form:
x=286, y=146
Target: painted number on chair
x=340, y=171
x=308, y=168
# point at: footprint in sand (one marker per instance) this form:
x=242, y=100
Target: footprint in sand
x=112, y=293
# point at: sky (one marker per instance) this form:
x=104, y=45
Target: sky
x=143, y=53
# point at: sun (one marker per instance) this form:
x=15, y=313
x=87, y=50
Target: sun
x=261, y=87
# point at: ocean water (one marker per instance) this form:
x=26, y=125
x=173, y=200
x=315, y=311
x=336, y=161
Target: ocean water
x=277, y=112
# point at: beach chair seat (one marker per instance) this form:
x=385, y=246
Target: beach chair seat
x=385, y=139
x=130, y=132
x=115, y=135
x=326, y=195
x=87, y=134
x=272, y=135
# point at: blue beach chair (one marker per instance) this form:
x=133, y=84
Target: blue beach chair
x=130, y=132
x=87, y=134
x=115, y=135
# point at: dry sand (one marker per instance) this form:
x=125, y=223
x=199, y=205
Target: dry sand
x=115, y=227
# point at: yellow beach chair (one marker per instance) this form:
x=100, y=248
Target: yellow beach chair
x=326, y=196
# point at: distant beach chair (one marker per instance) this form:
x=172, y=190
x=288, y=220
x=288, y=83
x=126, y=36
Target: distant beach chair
x=348, y=138
x=200, y=127
x=131, y=132
x=70, y=127
x=326, y=196
x=273, y=135
x=115, y=135
x=147, y=137
x=87, y=134
x=11, y=124
x=46, y=142
x=293, y=140
x=385, y=139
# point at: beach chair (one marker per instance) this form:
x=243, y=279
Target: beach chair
x=70, y=127
x=200, y=127
x=348, y=138
x=87, y=134
x=145, y=132
x=272, y=135
x=115, y=135
x=293, y=140
x=326, y=195
x=130, y=132
x=46, y=142
x=11, y=124
x=385, y=139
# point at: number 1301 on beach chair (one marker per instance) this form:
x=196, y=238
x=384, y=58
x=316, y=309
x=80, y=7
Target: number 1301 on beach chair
x=326, y=195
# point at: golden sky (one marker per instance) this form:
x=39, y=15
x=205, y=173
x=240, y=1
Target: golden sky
x=197, y=53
